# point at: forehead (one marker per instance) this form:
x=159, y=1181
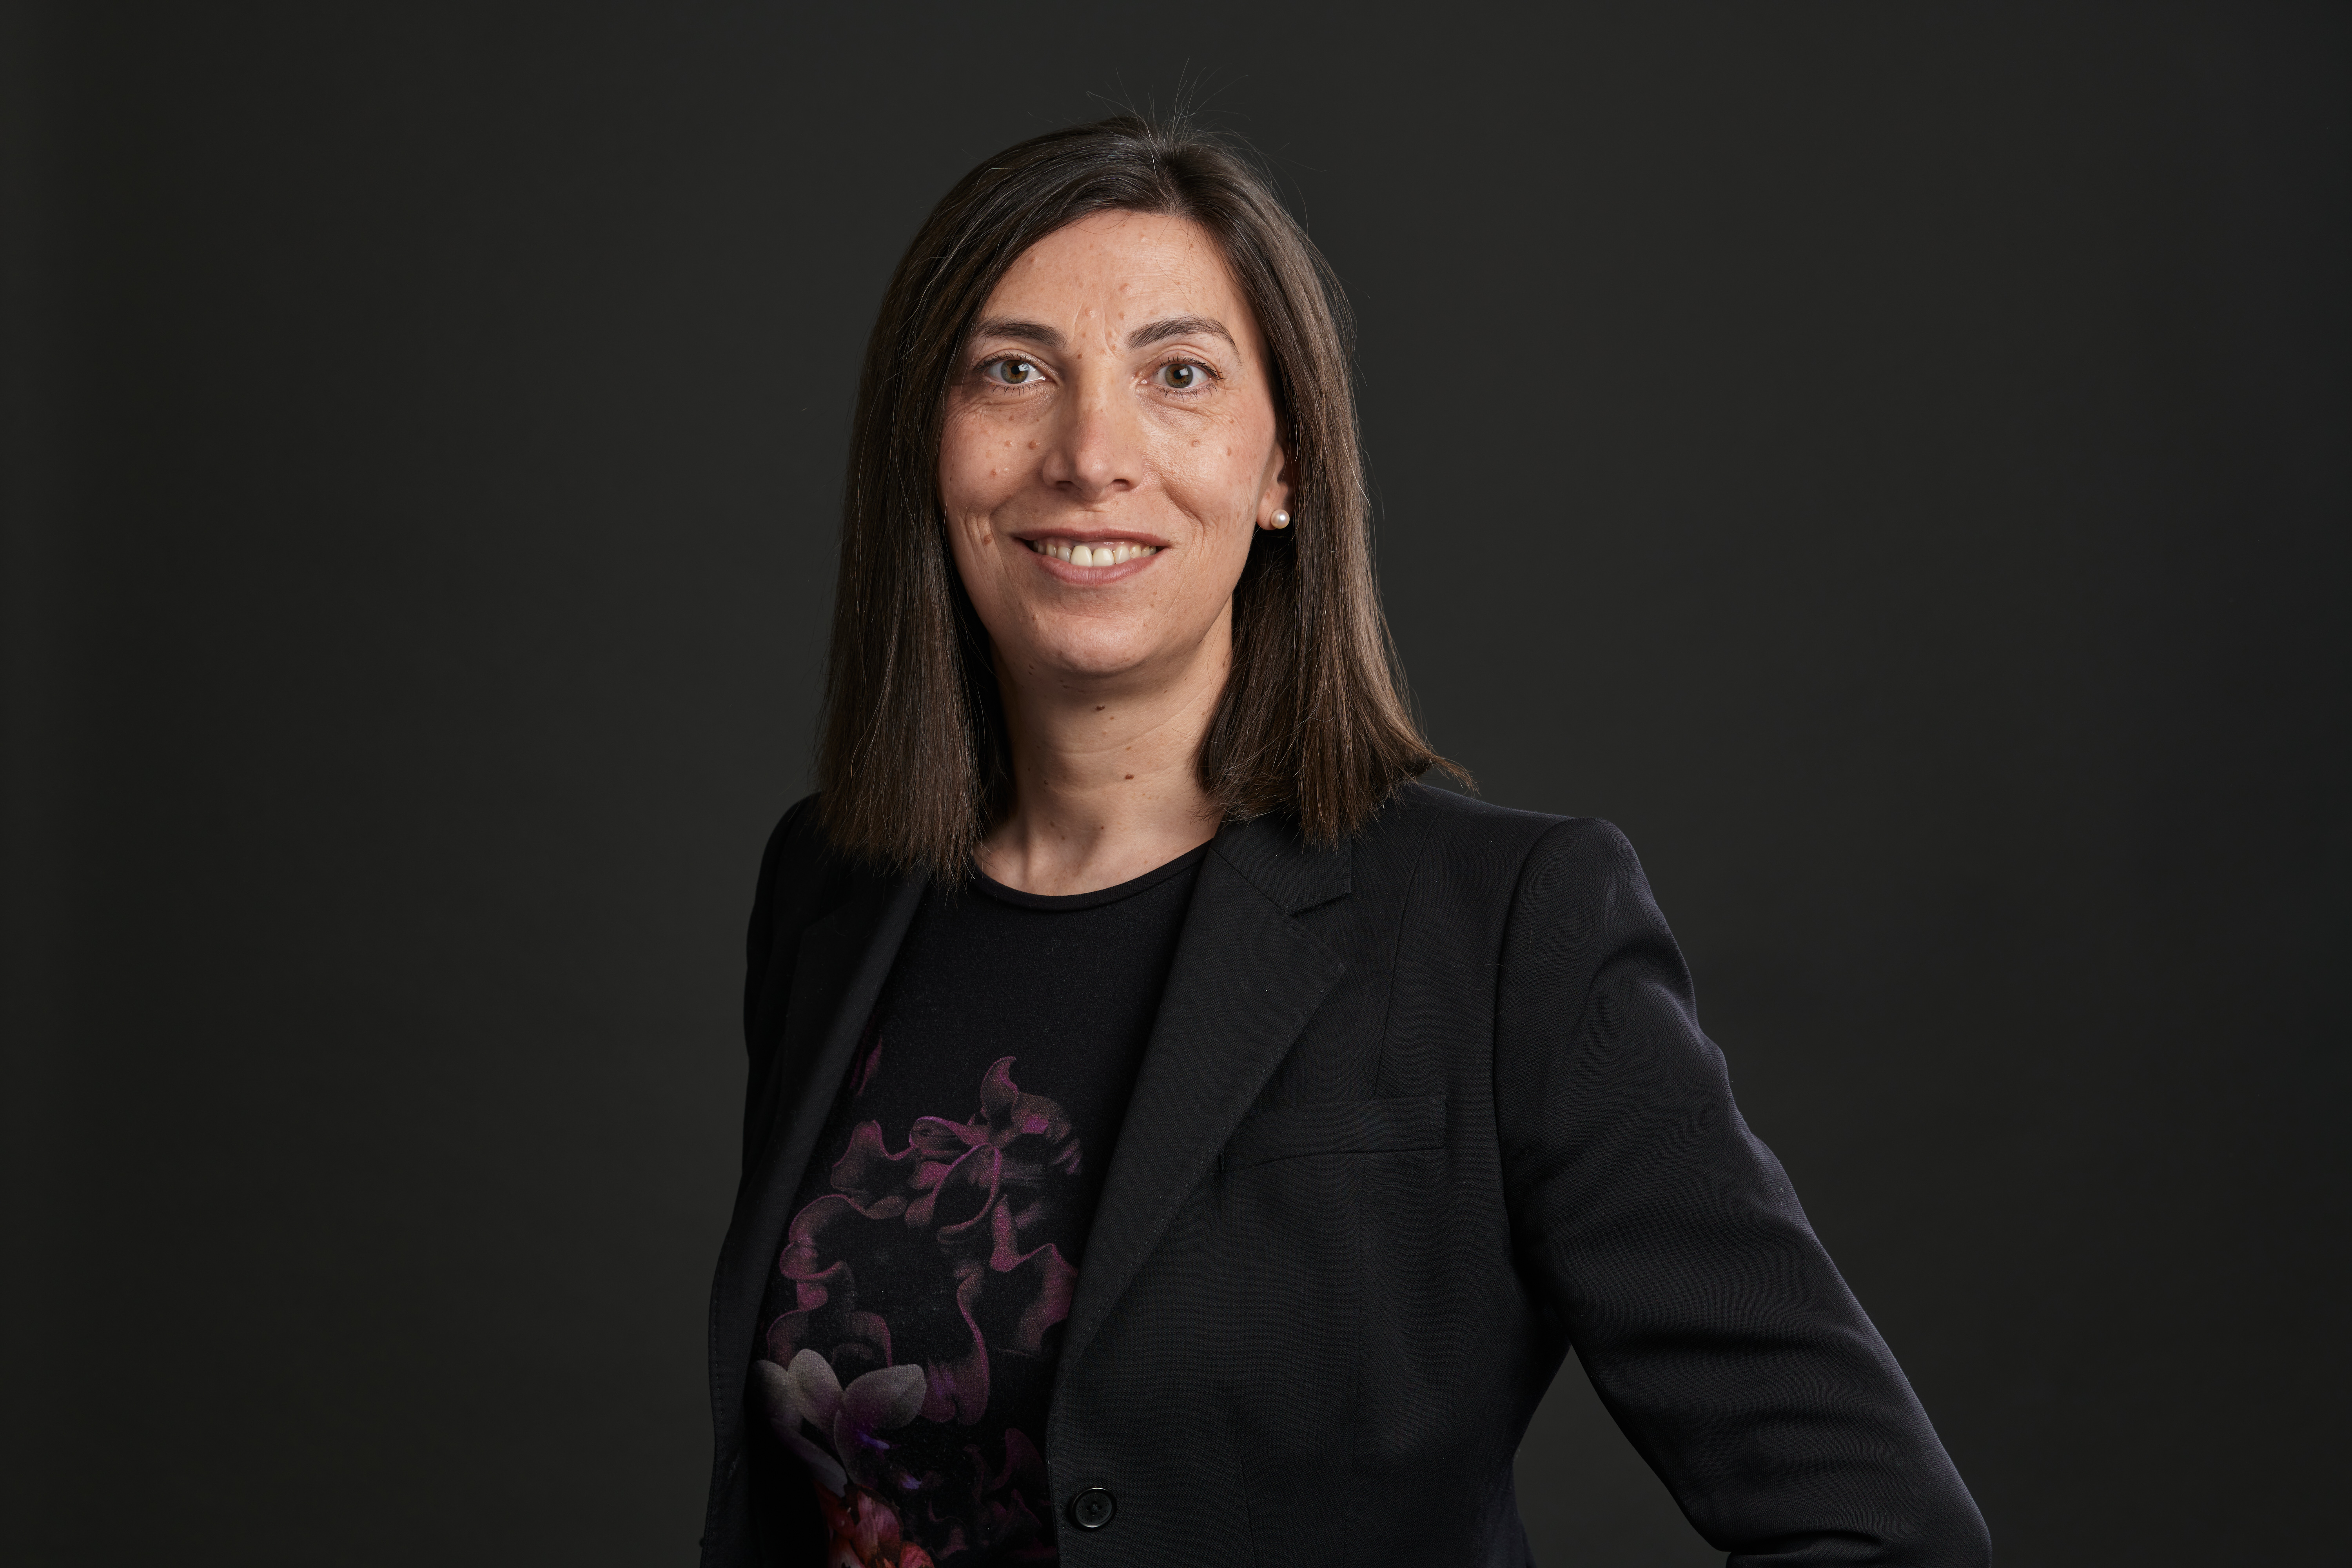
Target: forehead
x=1125, y=269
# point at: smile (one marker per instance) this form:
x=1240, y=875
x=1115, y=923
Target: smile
x=1105, y=554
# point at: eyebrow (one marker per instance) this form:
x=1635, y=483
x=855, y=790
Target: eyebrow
x=1143, y=337
x=1169, y=327
x=1035, y=332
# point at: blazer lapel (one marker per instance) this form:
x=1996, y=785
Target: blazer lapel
x=1247, y=977
x=837, y=976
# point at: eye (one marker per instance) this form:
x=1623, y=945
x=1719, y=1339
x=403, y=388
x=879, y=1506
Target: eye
x=1010, y=371
x=1183, y=376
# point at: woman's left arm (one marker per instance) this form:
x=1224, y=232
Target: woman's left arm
x=1667, y=1237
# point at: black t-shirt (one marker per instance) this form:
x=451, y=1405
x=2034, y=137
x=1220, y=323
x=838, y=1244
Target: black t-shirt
x=913, y=1324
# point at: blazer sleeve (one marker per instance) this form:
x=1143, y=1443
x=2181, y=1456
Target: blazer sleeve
x=1669, y=1242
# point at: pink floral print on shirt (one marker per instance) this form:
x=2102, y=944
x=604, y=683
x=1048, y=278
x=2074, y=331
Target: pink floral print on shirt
x=883, y=1393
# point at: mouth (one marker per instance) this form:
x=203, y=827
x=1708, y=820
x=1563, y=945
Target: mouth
x=1092, y=553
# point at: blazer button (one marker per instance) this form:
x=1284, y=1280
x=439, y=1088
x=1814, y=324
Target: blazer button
x=1092, y=1509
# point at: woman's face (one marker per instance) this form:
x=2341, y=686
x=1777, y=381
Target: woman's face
x=1109, y=448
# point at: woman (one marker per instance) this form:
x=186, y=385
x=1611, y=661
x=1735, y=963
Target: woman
x=1174, y=1135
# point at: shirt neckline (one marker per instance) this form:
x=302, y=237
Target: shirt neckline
x=1111, y=895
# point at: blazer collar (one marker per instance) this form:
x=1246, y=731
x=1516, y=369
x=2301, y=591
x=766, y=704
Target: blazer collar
x=1293, y=874
x=1246, y=978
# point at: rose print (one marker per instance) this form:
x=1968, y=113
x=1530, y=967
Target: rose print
x=869, y=1402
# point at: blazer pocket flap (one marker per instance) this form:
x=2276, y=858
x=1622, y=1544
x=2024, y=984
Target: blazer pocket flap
x=1339, y=1127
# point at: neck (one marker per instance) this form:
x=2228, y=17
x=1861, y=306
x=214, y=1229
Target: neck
x=1104, y=782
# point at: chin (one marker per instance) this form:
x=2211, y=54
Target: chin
x=1097, y=653
x=1092, y=663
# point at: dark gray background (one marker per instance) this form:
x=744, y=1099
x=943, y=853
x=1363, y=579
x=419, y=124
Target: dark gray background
x=1890, y=459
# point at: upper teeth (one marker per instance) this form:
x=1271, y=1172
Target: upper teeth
x=1091, y=555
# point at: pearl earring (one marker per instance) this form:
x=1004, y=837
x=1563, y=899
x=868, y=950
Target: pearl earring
x=1282, y=519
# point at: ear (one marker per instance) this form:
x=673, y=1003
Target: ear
x=1276, y=496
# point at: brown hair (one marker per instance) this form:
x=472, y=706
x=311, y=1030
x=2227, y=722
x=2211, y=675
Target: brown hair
x=912, y=763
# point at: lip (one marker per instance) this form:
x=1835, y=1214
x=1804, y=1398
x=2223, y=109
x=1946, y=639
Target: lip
x=1090, y=576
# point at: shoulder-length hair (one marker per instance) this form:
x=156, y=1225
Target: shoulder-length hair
x=912, y=765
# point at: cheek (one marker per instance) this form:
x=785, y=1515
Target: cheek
x=964, y=465
x=1217, y=480
x=1227, y=459
x=979, y=464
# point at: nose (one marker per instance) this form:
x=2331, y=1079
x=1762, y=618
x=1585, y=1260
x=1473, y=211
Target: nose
x=1095, y=448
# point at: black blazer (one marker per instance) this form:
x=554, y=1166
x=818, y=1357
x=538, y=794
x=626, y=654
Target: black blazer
x=1419, y=1114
